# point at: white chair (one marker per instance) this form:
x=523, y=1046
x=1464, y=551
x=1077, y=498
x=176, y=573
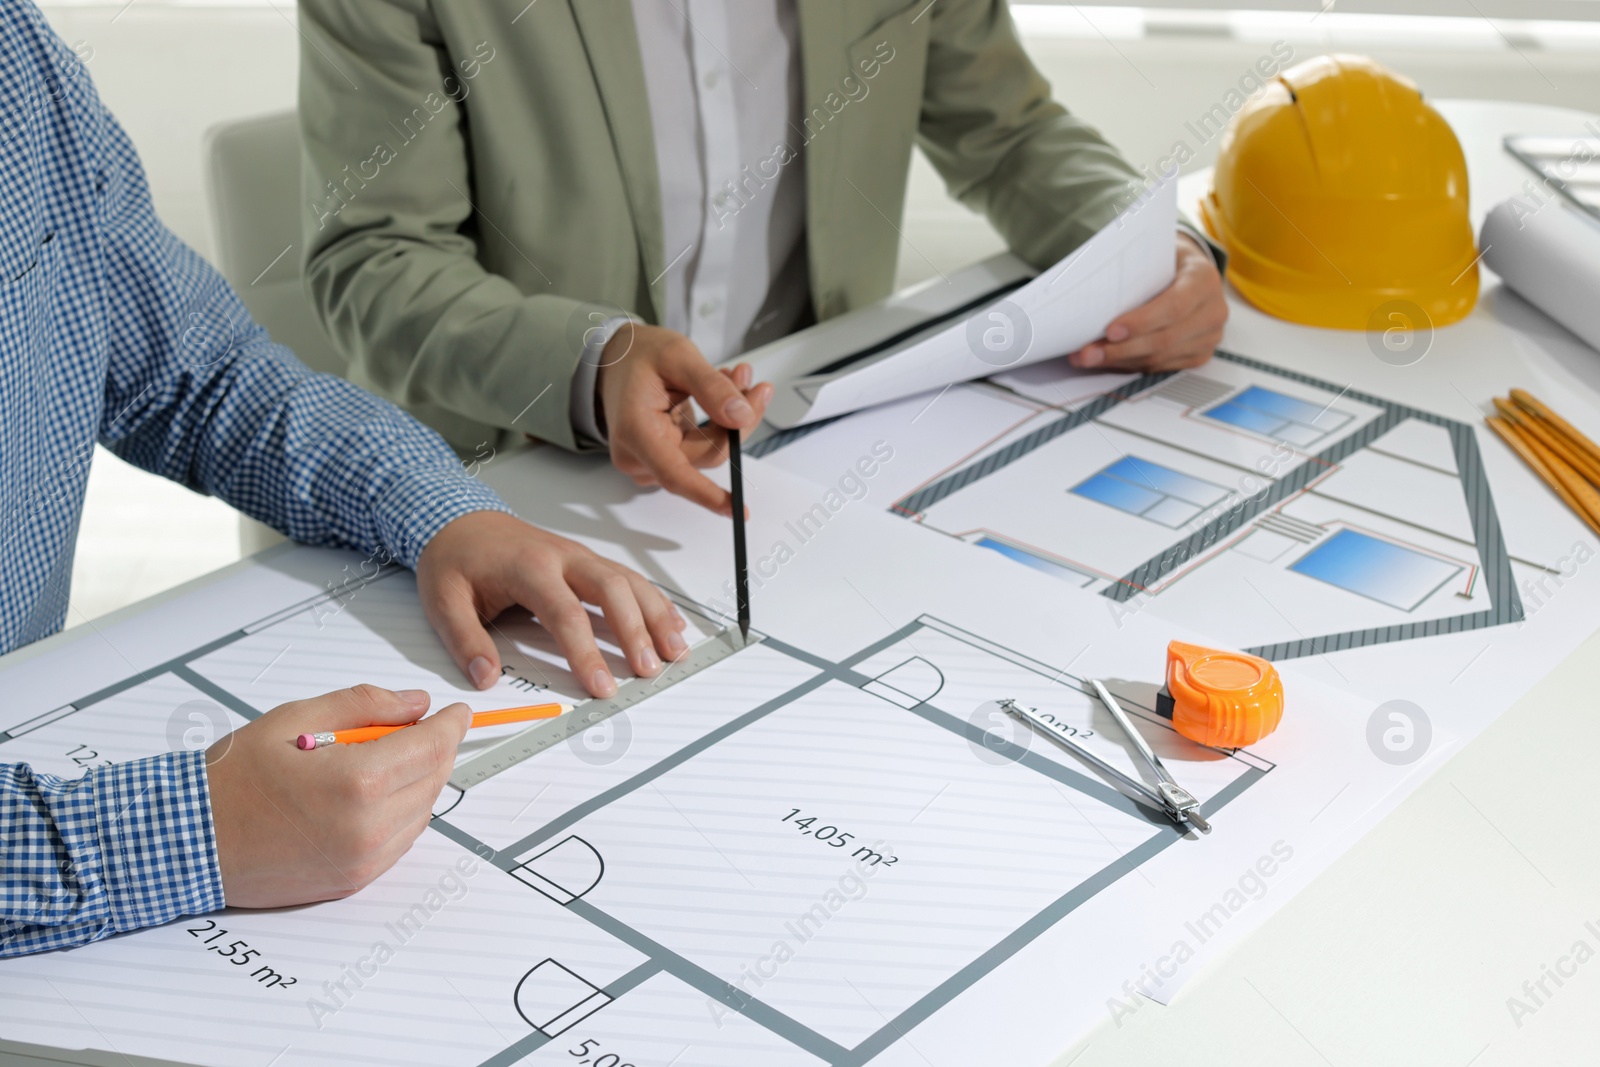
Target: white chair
x=252, y=177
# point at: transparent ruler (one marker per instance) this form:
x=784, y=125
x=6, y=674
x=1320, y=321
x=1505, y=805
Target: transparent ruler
x=544, y=736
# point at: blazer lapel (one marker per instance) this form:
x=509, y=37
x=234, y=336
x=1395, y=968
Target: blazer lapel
x=821, y=47
x=612, y=44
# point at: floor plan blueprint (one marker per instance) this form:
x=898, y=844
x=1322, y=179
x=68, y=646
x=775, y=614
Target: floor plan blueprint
x=1296, y=517
x=761, y=865
x=828, y=846
x=809, y=857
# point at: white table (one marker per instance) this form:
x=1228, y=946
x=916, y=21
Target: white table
x=1406, y=950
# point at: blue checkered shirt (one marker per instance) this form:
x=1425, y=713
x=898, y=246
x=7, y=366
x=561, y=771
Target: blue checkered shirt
x=112, y=330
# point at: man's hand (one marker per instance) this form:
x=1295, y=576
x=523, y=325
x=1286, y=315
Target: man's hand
x=295, y=827
x=484, y=562
x=1179, y=328
x=648, y=375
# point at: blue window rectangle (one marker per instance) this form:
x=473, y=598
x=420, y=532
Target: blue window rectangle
x=1043, y=564
x=1245, y=418
x=1377, y=569
x=1284, y=407
x=1151, y=491
x=1116, y=493
x=1275, y=415
x=1166, y=481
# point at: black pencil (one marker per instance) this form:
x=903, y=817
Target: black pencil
x=741, y=576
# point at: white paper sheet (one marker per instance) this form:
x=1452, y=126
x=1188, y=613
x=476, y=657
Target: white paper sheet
x=675, y=889
x=1129, y=261
x=666, y=887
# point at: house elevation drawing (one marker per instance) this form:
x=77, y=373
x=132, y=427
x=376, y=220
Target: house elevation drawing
x=1295, y=516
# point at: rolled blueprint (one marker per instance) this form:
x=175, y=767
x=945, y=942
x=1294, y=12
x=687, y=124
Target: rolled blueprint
x=1550, y=255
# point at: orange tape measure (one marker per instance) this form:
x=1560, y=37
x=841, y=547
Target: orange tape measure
x=1221, y=699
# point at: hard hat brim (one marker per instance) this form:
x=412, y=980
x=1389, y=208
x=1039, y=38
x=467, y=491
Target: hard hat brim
x=1333, y=303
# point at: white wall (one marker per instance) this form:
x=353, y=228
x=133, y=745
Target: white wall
x=1141, y=92
x=170, y=72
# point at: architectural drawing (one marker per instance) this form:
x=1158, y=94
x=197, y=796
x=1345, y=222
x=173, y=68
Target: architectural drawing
x=712, y=884
x=1267, y=503
x=830, y=846
x=818, y=747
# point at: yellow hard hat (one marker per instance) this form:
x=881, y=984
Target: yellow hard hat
x=1339, y=190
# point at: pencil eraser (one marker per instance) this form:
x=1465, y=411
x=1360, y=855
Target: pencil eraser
x=307, y=741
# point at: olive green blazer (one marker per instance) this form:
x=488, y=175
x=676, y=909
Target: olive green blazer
x=481, y=181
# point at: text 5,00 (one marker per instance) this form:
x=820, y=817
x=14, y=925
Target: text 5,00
x=590, y=1054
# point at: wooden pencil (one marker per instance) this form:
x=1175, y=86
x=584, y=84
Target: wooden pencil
x=358, y=734
x=1510, y=436
x=1535, y=427
x=1554, y=472
x=1527, y=400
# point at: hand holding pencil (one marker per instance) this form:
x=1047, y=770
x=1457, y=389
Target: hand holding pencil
x=358, y=734
x=293, y=827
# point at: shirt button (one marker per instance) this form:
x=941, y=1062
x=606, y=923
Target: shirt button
x=709, y=308
x=711, y=79
x=720, y=200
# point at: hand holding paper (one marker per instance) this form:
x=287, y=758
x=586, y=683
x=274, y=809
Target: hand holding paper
x=1180, y=327
x=1120, y=268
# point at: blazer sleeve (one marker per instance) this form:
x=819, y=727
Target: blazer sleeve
x=1046, y=179
x=391, y=265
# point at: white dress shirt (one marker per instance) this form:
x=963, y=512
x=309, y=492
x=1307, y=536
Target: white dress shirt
x=723, y=78
x=724, y=82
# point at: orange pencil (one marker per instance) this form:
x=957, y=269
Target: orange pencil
x=1567, y=483
x=1527, y=401
x=481, y=718
x=1533, y=426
